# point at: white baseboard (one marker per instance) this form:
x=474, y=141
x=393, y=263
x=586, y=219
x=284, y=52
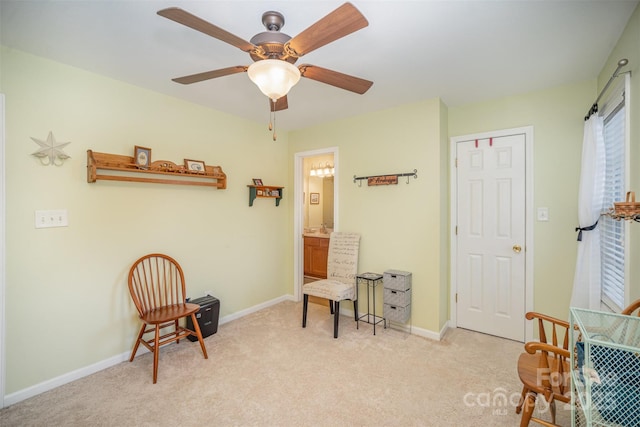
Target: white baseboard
x=425, y=333
x=242, y=313
x=36, y=389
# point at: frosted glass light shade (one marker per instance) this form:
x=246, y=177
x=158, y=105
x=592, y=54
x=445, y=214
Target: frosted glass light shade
x=274, y=77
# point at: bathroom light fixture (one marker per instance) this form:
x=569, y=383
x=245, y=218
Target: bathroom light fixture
x=274, y=77
x=327, y=171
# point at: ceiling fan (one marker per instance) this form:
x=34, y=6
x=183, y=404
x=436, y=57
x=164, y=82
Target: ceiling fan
x=274, y=48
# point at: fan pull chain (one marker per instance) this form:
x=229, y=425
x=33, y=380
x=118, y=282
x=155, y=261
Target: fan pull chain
x=272, y=124
x=272, y=118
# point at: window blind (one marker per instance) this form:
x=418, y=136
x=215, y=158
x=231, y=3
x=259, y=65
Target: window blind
x=612, y=232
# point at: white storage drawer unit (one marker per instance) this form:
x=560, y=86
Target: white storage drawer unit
x=397, y=296
x=396, y=313
x=393, y=297
x=398, y=280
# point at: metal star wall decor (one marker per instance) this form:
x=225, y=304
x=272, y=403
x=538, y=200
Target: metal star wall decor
x=51, y=149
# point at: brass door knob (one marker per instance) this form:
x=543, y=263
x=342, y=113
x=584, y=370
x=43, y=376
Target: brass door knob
x=517, y=249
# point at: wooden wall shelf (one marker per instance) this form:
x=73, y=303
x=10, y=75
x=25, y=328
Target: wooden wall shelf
x=624, y=216
x=114, y=167
x=264, y=191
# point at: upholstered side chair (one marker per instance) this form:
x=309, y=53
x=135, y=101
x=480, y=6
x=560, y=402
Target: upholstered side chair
x=340, y=284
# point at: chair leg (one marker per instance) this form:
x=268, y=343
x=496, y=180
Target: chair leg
x=177, y=329
x=305, y=303
x=529, y=406
x=523, y=396
x=156, y=350
x=336, y=317
x=355, y=309
x=137, y=344
x=552, y=409
x=196, y=326
x=331, y=306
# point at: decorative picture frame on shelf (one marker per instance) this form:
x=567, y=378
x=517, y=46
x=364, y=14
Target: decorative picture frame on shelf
x=257, y=181
x=275, y=193
x=142, y=157
x=194, y=166
x=314, y=198
x=259, y=192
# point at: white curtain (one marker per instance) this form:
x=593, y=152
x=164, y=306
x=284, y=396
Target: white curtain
x=586, y=282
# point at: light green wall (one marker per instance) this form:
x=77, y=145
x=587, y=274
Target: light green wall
x=67, y=303
x=629, y=47
x=400, y=231
x=68, y=285
x=557, y=117
x=445, y=223
x=403, y=226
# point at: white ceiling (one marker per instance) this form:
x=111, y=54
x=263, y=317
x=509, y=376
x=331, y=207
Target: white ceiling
x=460, y=51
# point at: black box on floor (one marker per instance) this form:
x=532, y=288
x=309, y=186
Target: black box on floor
x=207, y=316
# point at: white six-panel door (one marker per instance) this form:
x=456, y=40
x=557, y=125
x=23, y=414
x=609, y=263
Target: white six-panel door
x=490, y=240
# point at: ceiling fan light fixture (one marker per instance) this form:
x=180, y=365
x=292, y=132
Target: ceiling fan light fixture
x=274, y=77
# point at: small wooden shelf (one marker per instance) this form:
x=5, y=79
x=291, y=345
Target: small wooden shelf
x=624, y=216
x=114, y=167
x=266, y=192
x=629, y=210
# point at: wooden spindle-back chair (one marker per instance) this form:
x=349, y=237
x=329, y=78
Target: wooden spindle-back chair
x=157, y=287
x=544, y=369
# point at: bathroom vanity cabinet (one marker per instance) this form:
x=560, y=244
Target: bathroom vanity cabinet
x=316, y=250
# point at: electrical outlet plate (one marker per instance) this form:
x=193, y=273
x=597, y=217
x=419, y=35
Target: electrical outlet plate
x=51, y=218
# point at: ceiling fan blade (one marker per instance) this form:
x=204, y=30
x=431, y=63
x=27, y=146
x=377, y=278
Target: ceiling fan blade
x=279, y=105
x=185, y=18
x=207, y=75
x=334, y=78
x=343, y=21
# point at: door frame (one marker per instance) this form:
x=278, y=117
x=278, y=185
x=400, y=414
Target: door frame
x=3, y=240
x=453, y=181
x=298, y=211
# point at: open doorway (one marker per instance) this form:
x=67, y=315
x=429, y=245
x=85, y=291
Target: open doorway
x=316, y=205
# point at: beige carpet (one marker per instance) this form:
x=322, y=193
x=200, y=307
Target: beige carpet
x=265, y=370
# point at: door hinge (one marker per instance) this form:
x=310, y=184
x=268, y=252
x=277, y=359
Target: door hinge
x=456, y=230
x=456, y=297
x=456, y=162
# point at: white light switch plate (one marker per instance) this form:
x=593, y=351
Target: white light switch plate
x=543, y=214
x=52, y=218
